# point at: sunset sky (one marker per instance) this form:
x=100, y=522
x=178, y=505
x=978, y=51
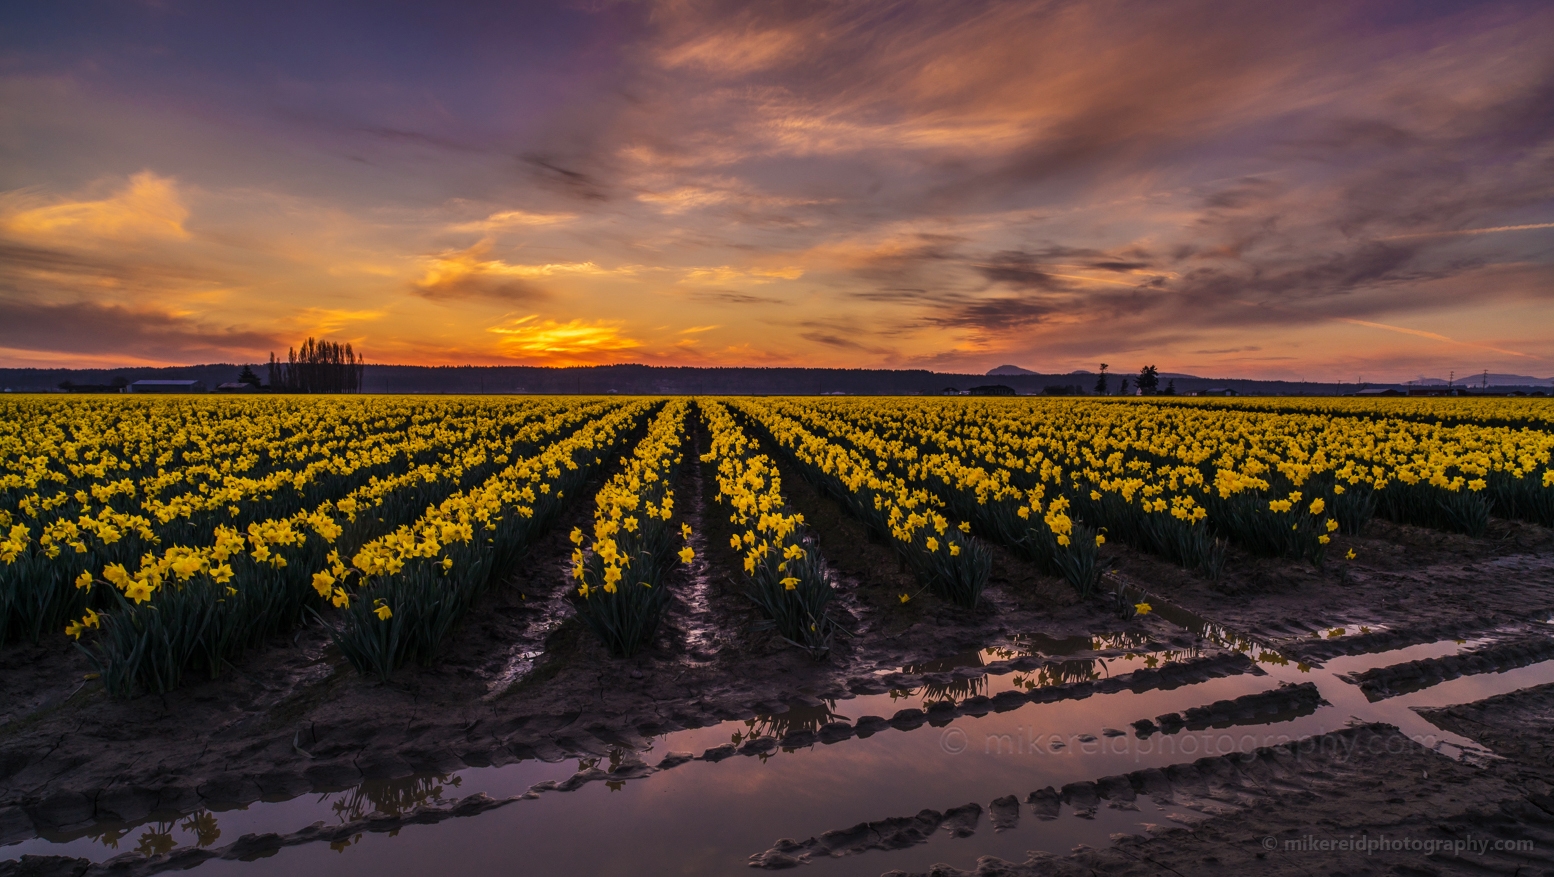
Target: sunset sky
x=1275, y=190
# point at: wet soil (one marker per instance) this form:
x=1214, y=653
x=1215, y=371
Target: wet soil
x=1518, y=726
x=1418, y=584
x=1328, y=805
x=524, y=681
x=294, y=718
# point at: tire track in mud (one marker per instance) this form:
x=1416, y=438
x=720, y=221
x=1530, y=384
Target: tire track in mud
x=1518, y=726
x=1396, y=679
x=1370, y=779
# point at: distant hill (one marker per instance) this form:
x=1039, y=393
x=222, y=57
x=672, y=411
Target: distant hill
x=1495, y=380
x=675, y=380
x=1009, y=370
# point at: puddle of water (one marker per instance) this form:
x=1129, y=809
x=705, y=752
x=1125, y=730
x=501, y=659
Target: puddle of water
x=712, y=806
x=632, y=833
x=706, y=818
x=1342, y=630
x=218, y=826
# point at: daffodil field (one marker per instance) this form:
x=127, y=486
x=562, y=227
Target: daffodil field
x=938, y=551
x=170, y=536
x=783, y=571
x=621, y=592
x=407, y=588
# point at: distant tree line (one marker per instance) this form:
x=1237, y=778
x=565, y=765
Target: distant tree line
x=319, y=367
x=1147, y=382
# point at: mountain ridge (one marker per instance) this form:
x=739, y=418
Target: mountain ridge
x=634, y=378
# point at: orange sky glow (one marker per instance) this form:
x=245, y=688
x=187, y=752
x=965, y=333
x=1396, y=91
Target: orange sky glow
x=1317, y=191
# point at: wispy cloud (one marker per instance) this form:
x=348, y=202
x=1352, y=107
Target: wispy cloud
x=139, y=334
x=1434, y=336
x=1496, y=229
x=467, y=273
x=512, y=219
x=575, y=342
x=863, y=183
x=148, y=207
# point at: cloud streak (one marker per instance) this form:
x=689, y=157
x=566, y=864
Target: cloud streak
x=1247, y=188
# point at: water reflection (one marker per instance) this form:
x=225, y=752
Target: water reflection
x=386, y=797
x=815, y=789
x=1207, y=632
x=1042, y=644
x=799, y=718
x=159, y=836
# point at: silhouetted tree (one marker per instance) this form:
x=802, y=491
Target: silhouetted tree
x=1170, y=389
x=319, y=367
x=247, y=376
x=1148, y=380
x=1122, y=388
x=1100, y=382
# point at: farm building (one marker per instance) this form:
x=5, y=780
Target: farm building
x=167, y=387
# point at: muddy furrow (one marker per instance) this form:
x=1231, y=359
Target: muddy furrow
x=1384, y=682
x=1243, y=809
x=1518, y=726
x=1263, y=708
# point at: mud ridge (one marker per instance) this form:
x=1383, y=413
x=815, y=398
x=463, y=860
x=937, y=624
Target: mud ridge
x=1315, y=650
x=1232, y=805
x=1384, y=682
x=338, y=756
x=1402, y=577
x=1518, y=726
x=1265, y=707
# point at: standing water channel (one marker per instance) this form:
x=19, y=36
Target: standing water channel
x=985, y=741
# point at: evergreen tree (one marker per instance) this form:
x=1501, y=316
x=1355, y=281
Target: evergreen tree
x=1100, y=382
x=1148, y=380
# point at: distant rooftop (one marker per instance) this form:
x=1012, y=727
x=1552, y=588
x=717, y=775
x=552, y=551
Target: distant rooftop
x=149, y=386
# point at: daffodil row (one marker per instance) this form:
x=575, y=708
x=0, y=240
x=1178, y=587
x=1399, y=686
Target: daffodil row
x=985, y=495
x=1516, y=412
x=401, y=595
x=942, y=555
x=241, y=586
x=970, y=454
x=46, y=549
x=144, y=446
x=47, y=588
x=1138, y=490
x=619, y=576
x=1170, y=477
x=487, y=527
x=784, y=575
x=228, y=490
